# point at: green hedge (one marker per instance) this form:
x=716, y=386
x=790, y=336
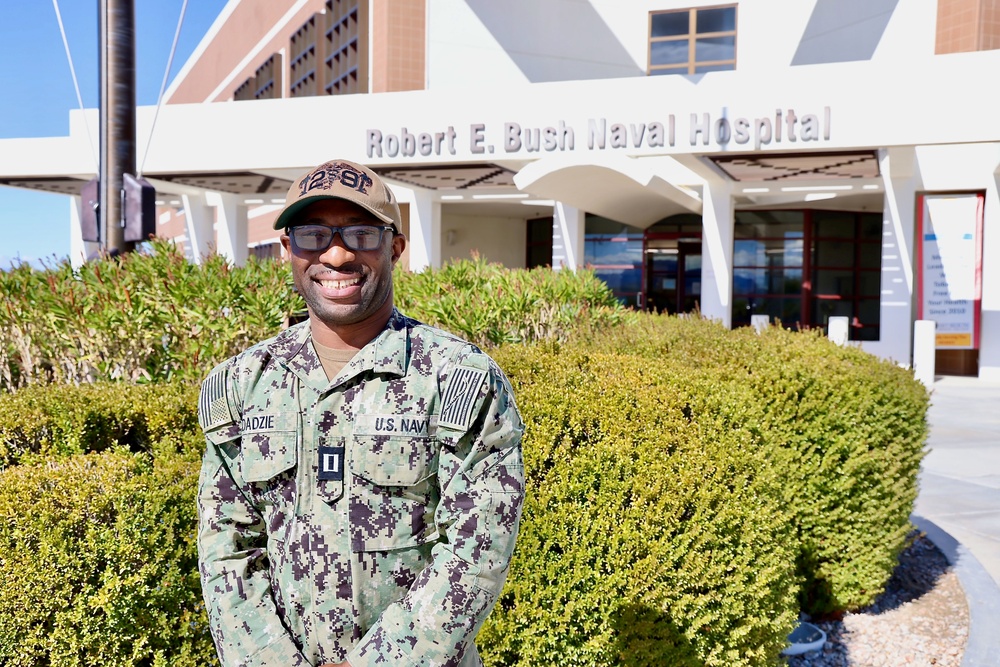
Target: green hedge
x=68, y=419
x=688, y=488
x=846, y=429
x=154, y=316
x=652, y=532
x=490, y=305
x=98, y=564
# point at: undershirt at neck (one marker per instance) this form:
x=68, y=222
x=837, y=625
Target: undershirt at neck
x=333, y=360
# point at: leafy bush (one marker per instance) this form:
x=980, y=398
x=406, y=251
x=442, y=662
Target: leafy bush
x=155, y=316
x=489, y=305
x=67, y=419
x=845, y=429
x=138, y=317
x=652, y=531
x=98, y=564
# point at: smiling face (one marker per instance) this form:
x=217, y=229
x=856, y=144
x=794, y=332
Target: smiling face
x=348, y=292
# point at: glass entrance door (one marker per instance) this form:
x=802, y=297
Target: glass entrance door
x=672, y=273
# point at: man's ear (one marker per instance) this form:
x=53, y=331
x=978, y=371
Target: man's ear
x=286, y=244
x=398, y=245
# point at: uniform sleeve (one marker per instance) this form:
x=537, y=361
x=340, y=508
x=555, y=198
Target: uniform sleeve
x=481, y=478
x=232, y=551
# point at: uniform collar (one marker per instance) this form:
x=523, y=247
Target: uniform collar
x=388, y=353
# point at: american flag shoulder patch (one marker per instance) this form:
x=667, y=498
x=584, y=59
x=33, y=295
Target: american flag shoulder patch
x=213, y=404
x=459, y=398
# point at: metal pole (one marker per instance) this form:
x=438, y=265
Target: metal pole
x=116, y=26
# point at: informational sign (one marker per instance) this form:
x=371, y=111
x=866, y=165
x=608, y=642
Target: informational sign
x=950, y=265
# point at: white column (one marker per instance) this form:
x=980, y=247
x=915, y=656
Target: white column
x=718, y=220
x=77, y=246
x=199, y=219
x=989, y=332
x=231, y=216
x=901, y=180
x=424, y=237
x=568, y=228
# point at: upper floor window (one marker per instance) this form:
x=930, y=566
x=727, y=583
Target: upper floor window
x=692, y=41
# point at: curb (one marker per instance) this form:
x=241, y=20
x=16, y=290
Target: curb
x=981, y=593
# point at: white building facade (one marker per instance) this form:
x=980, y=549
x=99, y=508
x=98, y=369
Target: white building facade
x=794, y=159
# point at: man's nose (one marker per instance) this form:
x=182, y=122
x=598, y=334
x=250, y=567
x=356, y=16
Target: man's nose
x=337, y=253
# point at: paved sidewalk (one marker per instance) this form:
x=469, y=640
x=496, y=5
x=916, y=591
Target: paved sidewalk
x=960, y=479
x=959, y=501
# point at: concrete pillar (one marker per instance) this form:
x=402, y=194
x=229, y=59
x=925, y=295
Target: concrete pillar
x=77, y=246
x=924, y=351
x=901, y=180
x=200, y=221
x=424, y=238
x=718, y=219
x=989, y=332
x=568, y=228
x=232, y=226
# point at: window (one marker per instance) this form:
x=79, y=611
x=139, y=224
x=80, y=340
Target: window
x=803, y=267
x=614, y=252
x=539, y=243
x=692, y=41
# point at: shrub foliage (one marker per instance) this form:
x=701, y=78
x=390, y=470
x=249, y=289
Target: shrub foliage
x=689, y=488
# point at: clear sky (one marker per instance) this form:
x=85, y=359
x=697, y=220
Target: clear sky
x=36, y=94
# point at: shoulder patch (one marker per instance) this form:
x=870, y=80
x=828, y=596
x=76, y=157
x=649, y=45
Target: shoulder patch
x=459, y=398
x=213, y=404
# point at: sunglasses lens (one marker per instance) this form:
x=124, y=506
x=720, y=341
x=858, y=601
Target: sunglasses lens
x=312, y=237
x=361, y=237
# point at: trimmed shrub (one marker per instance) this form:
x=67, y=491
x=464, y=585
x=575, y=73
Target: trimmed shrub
x=67, y=419
x=652, y=531
x=489, y=305
x=98, y=563
x=846, y=430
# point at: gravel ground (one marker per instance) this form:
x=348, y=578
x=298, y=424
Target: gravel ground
x=921, y=619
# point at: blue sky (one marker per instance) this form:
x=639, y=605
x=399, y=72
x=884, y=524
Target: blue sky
x=37, y=94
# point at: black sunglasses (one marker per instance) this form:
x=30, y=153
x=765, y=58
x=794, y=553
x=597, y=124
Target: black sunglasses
x=315, y=238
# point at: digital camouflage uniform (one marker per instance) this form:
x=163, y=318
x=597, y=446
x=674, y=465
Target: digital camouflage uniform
x=369, y=518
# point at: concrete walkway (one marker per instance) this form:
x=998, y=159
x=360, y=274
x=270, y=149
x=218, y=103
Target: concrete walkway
x=959, y=501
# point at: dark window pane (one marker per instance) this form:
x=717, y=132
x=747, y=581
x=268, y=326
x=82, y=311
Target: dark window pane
x=715, y=48
x=788, y=310
x=824, y=309
x=864, y=333
x=834, y=283
x=871, y=255
x=540, y=230
x=871, y=226
x=870, y=283
x=668, y=53
x=705, y=69
x=829, y=224
x=834, y=254
x=670, y=24
x=868, y=310
x=716, y=20
x=787, y=282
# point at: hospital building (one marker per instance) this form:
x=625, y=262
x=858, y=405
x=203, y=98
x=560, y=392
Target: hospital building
x=787, y=160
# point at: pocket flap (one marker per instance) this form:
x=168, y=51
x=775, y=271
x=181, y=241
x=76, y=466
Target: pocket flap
x=394, y=461
x=266, y=455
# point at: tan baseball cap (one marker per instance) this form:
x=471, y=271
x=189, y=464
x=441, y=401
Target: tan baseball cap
x=341, y=179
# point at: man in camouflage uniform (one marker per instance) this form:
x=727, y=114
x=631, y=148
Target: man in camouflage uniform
x=362, y=483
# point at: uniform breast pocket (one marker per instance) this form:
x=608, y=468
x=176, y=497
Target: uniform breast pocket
x=267, y=464
x=393, y=492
